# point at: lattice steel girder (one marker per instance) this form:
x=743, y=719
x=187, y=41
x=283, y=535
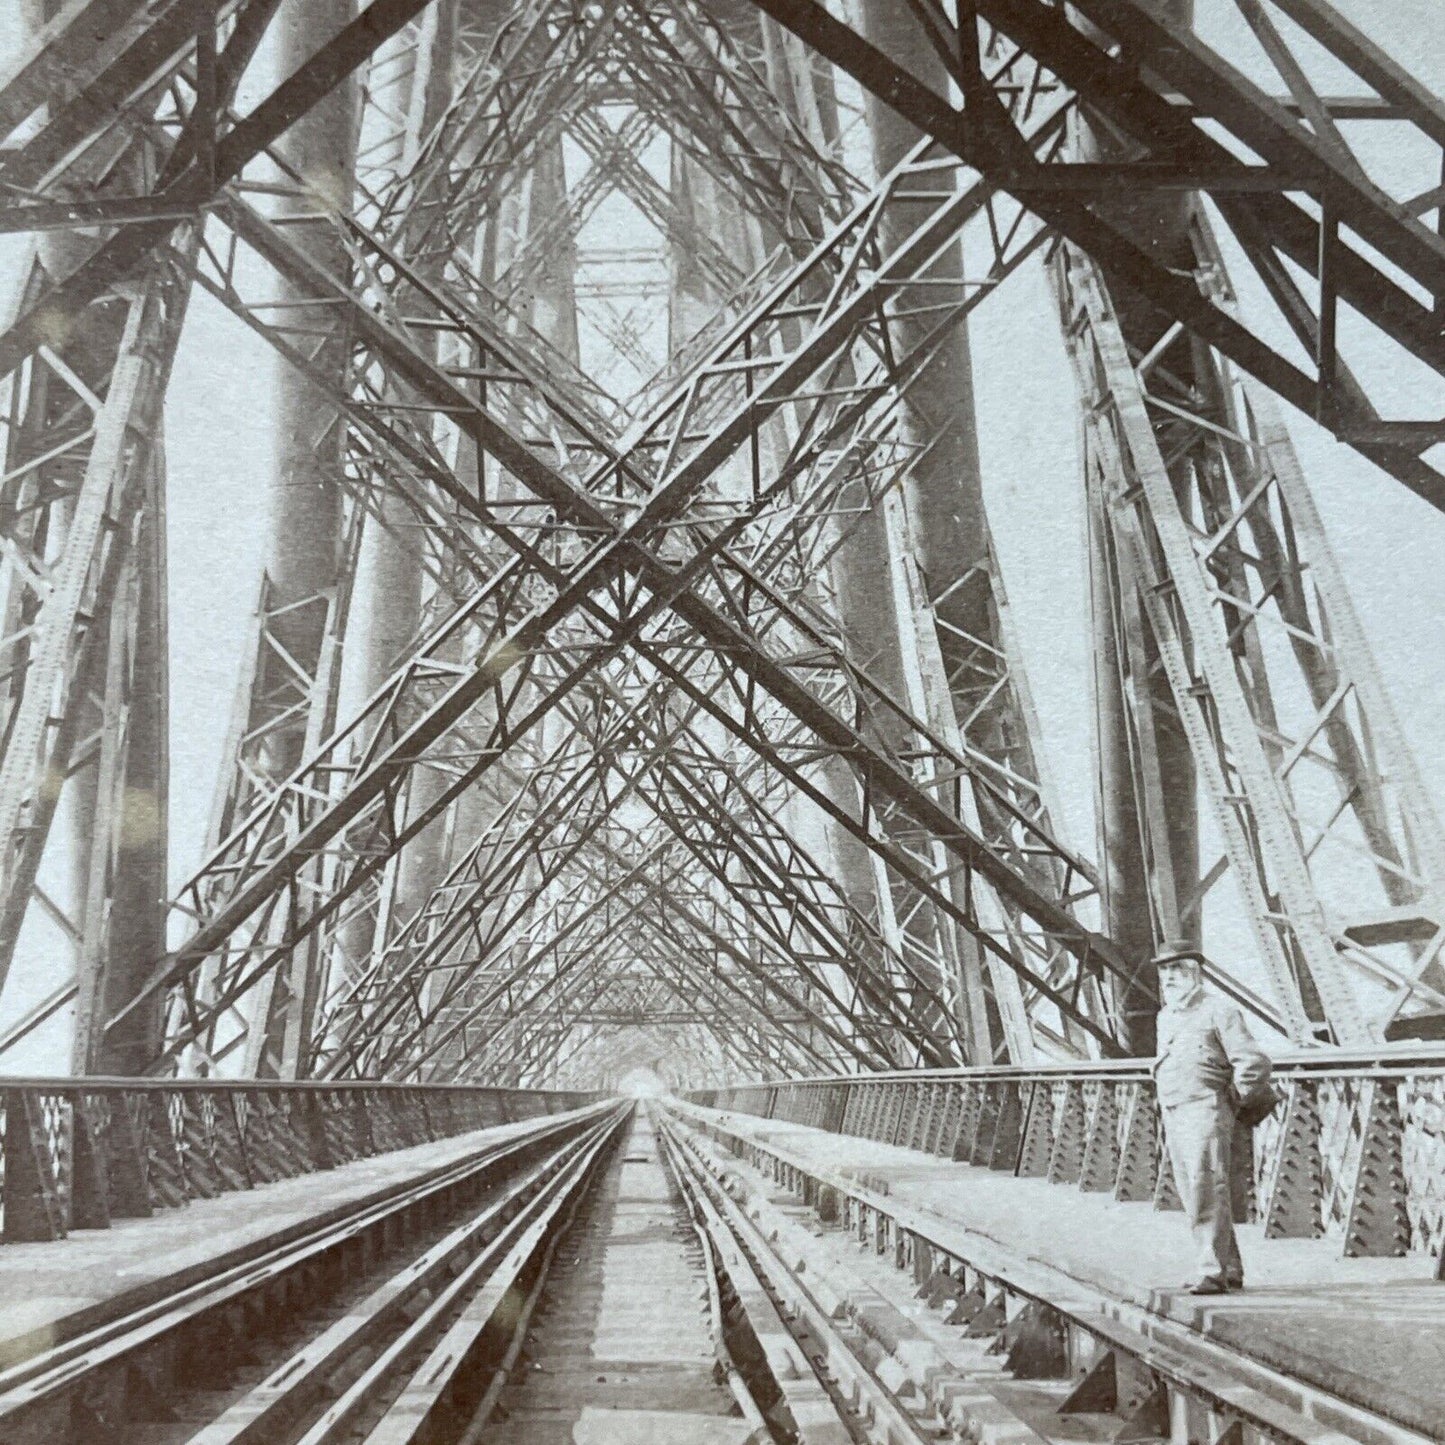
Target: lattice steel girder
x=615, y=168
x=361, y=859
x=105, y=90
x=405, y=92
x=594, y=424
x=785, y=960
x=599, y=959
x=530, y=80
x=459, y=903
x=918, y=938
x=196, y=169
x=743, y=1037
x=713, y=93
x=691, y=765
x=797, y=898
x=686, y=476
x=662, y=756
x=584, y=913
x=681, y=994
x=673, y=930
x=610, y=955
x=888, y=789
x=667, y=893
x=882, y=983
x=711, y=833
x=488, y=869
x=124, y=126
x=1209, y=544
x=57, y=611
x=1057, y=994
x=67, y=53
x=698, y=79
x=1003, y=772
x=1177, y=148
x=679, y=929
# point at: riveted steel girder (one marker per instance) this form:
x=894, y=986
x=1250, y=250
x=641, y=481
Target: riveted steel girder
x=602, y=567
x=1175, y=149
x=686, y=475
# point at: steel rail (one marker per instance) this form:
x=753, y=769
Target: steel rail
x=452, y=1327
x=702, y=1223
x=1176, y=1372
x=863, y=1402
x=65, y=1371
x=299, y=1383
x=810, y=1409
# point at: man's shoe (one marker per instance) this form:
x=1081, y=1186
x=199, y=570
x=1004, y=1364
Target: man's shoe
x=1235, y=1281
x=1210, y=1284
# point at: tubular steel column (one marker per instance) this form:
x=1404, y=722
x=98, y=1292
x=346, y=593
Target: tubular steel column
x=124, y=917
x=520, y=220
x=701, y=205
x=1148, y=827
x=304, y=504
x=58, y=253
x=1125, y=893
x=947, y=526
x=117, y=729
x=304, y=537
x=874, y=637
x=387, y=609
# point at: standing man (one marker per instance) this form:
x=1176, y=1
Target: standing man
x=1209, y=1074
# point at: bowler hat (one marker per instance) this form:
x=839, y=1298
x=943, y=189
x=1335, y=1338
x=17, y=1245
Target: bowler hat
x=1172, y=953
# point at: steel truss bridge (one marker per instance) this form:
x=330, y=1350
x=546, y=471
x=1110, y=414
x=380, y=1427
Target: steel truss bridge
x=631, y=690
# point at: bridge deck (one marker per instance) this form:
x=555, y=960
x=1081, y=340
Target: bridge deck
x=1370, y=1331
x=622, y=1348
x=52, y=1292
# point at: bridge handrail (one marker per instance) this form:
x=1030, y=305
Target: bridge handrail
x=91, y=1082
x=78, y=1152
x=1407, y=1056
x=1356, y=1149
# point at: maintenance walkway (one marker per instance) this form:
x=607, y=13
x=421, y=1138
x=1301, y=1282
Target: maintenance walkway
x=55, y=1291
x=1325, y=1329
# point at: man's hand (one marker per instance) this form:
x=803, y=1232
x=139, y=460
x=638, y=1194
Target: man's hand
x=1253, y=1111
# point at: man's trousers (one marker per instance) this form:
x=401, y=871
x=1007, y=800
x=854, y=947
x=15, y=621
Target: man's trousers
x=1200, y=1136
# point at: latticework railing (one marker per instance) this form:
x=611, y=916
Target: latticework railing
x=1356, y=1151
x=77, y=1153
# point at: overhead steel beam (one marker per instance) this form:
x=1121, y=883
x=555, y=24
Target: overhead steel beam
x=1048, y=43
x=520, y=460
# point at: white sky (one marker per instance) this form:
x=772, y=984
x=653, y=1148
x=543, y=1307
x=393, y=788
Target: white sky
x=1390, y=546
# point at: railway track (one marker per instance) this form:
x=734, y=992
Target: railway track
x=851, y=1296
x=346, y=1332
x=625, y=1342
x=620, y=1277
x=825, y=1387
